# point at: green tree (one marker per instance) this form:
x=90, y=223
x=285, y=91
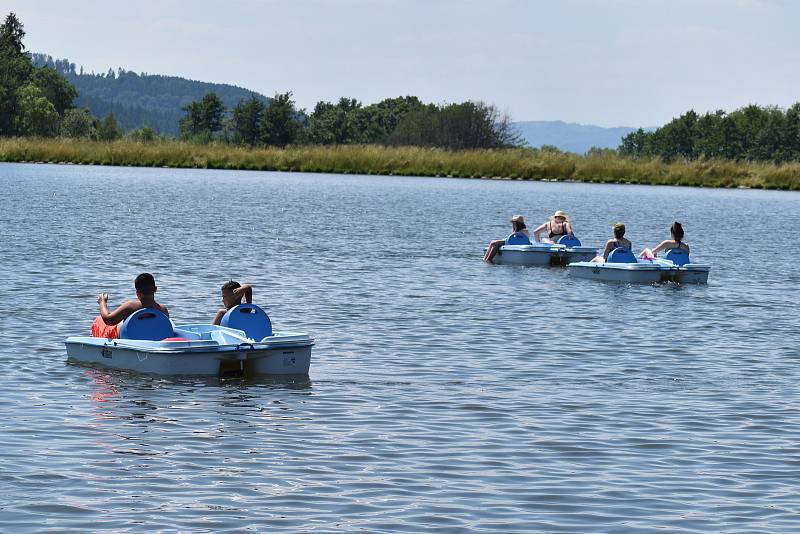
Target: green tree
x=750, y=133
x=78, y=123
x=377, y=122
x=203, y=117
x=11, y=34
x=246, y=121
x=333, y=124
x=676, y=139
x=635, y=144
x=15, y=70
x=145, y=134
x=468, y=125
x=56, y=88
x=731, y=145
x=792, y=133
x=769, y=142
x=597, y=152
x=36, y=115
x=708, y=135
x=280, y=126
x=16, y=74
x=108, y=130
x=419, y=127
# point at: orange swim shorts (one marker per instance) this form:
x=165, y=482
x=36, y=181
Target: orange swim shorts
x=101, y=329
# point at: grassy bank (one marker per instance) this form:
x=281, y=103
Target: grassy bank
x=519, y=164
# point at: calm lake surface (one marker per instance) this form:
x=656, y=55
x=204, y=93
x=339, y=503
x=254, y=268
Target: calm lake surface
x=444, y=394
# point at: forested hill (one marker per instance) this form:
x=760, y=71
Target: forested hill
x=571, y=137
x=141, y=99
x=155, y=100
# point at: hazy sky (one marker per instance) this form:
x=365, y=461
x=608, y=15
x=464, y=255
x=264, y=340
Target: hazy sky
x=611, y=63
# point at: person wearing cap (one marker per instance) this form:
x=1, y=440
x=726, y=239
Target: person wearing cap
x=107, y=324
x=517, y=226
x=557, y=225
x=619, y=241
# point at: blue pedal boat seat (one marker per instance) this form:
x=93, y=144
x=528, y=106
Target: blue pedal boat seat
x=249, y=318
x=678, y=256
x=518, y=238
x=149, y=324
x=569, y=241
x=621, y=255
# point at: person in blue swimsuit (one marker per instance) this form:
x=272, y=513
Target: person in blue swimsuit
x=558, y=225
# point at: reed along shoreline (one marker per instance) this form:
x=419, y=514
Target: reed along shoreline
x=511, y=164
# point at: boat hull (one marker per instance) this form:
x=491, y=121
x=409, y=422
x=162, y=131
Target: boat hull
x=193, y=358
x=640, y=273
x=542, y=255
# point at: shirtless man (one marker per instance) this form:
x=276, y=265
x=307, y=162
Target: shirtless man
x=232, y=294
x=108, y=324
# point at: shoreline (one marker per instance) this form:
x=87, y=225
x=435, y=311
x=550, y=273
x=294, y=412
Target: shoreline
x=496, y=178
x=526, y=164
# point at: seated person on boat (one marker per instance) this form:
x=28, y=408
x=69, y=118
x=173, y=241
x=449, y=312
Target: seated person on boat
x=518, y=232
x=232, y=294
x=107, y=324
x=619, y=241
x=557, y=225
x=676, y=230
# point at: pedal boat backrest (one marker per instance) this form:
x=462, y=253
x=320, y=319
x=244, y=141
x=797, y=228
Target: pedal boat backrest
x=621, y=255
x=518, y=238
x=569, y=241
x=678, y=256
x=149, y=324
x=249, y=318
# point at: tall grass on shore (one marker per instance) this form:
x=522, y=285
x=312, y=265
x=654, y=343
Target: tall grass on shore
x=515, y=164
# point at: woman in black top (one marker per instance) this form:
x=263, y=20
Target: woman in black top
x=676, y=230
x=618, y=241
x=558, y=225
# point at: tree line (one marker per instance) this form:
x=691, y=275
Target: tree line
x=752, y=133
x=401, y=121
x=38, y=101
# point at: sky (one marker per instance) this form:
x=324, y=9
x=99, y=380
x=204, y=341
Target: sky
x=609, y=63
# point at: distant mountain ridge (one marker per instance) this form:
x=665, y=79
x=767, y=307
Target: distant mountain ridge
x=141, y=99
x=572, y=137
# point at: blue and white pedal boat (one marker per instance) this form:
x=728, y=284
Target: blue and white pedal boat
x=150, y=343
x=623, y=266
x=519, y=250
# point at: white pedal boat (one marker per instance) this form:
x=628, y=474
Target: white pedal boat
x=623, y=266
x=150, y=343
x=519, y=250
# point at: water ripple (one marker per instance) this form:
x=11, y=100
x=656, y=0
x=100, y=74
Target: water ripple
x=445, y=394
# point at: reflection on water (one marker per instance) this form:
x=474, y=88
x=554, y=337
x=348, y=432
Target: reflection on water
x=445, y=394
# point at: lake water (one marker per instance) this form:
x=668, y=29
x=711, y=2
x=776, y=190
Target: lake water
x=444, y=394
